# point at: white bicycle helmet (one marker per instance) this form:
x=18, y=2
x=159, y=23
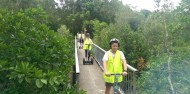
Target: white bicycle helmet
x=114, y=40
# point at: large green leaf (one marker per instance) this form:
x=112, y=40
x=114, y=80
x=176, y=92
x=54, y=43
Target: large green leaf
x=39, y=83
x=44, y=81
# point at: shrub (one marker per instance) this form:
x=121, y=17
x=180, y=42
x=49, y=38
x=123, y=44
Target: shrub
x=33, y=58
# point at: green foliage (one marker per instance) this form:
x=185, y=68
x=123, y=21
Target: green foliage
x=169, y=54
x=72, y=13
x=97, y=26
x=75, y=21
x=156, y=79
x=132, y=43
x=158, y=74
x=33, y=58
x=161, y=38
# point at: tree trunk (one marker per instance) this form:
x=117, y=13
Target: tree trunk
x=169, y=58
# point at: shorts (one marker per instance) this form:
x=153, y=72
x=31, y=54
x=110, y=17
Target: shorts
x=81, y=40
x=111, y=84
x=108, y=84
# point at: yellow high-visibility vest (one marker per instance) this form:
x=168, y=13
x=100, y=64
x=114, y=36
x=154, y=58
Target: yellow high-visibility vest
x=113, y=65
x=82, y=36
x=86, y=44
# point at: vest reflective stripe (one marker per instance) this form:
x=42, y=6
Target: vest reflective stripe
x=87, y=41
x=82, y=36
x=114, y=65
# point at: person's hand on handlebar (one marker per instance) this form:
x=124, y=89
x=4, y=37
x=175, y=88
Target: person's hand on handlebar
x=124, y=73
x=107, y=74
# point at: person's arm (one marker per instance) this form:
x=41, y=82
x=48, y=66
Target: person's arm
x=124, y=67
x=91, y=42
x=105, y=59
x=84, y=44
x=105, y=66
x=124, y=63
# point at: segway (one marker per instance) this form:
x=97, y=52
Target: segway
x=89, y=58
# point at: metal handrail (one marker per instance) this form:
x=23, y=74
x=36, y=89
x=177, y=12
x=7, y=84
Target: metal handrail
x=129, y=81
x=76, y=68
x=76, y=58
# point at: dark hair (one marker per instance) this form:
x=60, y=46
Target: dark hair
x=114, y=40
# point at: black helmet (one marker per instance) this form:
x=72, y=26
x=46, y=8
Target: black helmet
x=88, y=34
x=114, y=40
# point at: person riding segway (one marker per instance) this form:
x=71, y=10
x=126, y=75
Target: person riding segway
x=87, y=47
x=81, y=39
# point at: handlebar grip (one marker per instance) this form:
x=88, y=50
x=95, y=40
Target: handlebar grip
x=116, y=74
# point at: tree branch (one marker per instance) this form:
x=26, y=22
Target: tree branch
x=169, y=58
x=169, y=75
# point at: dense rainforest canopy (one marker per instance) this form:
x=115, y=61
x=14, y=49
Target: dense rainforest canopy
x=36, y=41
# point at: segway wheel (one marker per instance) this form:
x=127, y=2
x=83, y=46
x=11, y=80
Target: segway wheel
x=83, y=61
x=91, y=60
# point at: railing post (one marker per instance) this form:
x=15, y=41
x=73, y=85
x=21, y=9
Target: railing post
x=134, y=82
x=77, y=83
